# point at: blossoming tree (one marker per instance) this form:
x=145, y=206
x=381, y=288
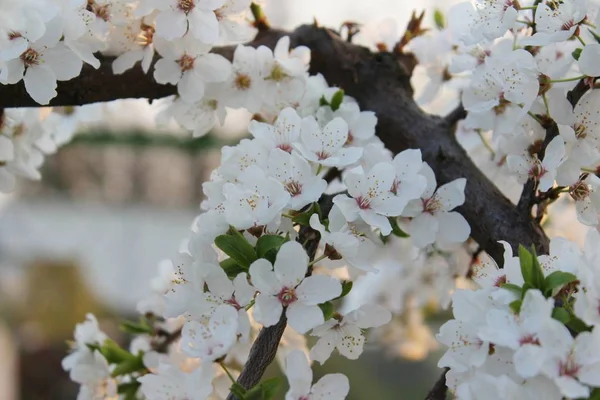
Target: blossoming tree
x=342, y=179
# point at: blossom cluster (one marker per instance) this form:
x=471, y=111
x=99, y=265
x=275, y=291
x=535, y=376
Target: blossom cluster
x=247, y=263
x=530, y=330
x=514, y=64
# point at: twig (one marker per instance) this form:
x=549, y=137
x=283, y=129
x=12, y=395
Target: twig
x=260, y=19
x=439, y=389
x=459, y=113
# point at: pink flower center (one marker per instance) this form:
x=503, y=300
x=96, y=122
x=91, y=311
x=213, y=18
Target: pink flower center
x=287, y=296
x=537, y=170
x=285, y=147
x=431, y=205
x=323, y=155
x=529, y=339
x=499, y=281
x=233, y=302
x=567, y=25
x=568, y=367
x=364, y=203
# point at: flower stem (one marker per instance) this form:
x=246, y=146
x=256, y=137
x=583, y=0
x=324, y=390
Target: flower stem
x=546, y=105
x=580, y=39
x=575, y=78
x=231, y=378
x=535, y=117
x=527, y=8
x=485, y=142
x=316, y=260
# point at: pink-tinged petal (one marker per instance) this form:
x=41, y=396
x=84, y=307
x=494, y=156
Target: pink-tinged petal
x=267, y=309
x=303, y=318
x=291, y=264
x=318, y=289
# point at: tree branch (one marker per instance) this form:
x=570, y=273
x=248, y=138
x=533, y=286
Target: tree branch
x=439, y=389
x=380, y=84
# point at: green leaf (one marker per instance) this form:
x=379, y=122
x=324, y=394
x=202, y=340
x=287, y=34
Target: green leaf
x=439, y=19
x=513, y=288
x=576, y=53
x=346, y=288
x=336, y=100
x=396, y=229
x=304, y=217
x=113, y=353
x=515, y=306
x=557, y=279
x=595, y=35
x=231, y=267
x=129, y=389
x=235, y=245
x=238, y=390
x=538, y=272
x=577, y=325
x=328, y=310
x=129, y=366
x=271, y=387
x=256, y=393
x=595, y=395
x=323, y=101
x=267, y=246
x=136, y=328
x=526, y=261
x=560, y=314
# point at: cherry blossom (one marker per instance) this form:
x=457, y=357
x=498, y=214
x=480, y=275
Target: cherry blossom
x=543, y=171
x=282, y=134
x=432, y=217
x=345, y=334
x=173, y=383
x=556, y=21
x=326, y=146
x=299, y=374
x=285, y=286
x=372, y=198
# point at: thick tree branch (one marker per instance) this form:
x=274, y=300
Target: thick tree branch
x=379, y=84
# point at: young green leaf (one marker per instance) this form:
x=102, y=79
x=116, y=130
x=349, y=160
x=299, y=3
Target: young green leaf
x=129, y=366
x=235, y=245
x=439, y=19
x=113, y=353
x=268, y=245
x=304, y=217
x=238, y=390
x=271, y=387
x=136, y=328
x=557, y=279
x=336, y=100
x=515, y=306
x=560, y=314
x=577, y=325
x=526, y=261
x=538, y=272
x=346, y=288
x=328, y=310
x=518, y=290
x=396, y=229
x=232, y=268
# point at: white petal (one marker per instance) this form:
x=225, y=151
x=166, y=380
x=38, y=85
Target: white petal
x=303, y=318
x=263, y=277
x=40, y=83
x=322, y=350
x=191, y=87
x=317, y=289
x=167, y=71
x=453, y=227
x=267, y=309
x=423, y=229
x=213, y=67
x=298, y=373
x=331, y=387
x=589, y=60
x=171, y=24
x=204, y=25
x=291, y=264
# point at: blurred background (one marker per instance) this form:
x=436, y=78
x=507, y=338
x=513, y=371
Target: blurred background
x=89, y=236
